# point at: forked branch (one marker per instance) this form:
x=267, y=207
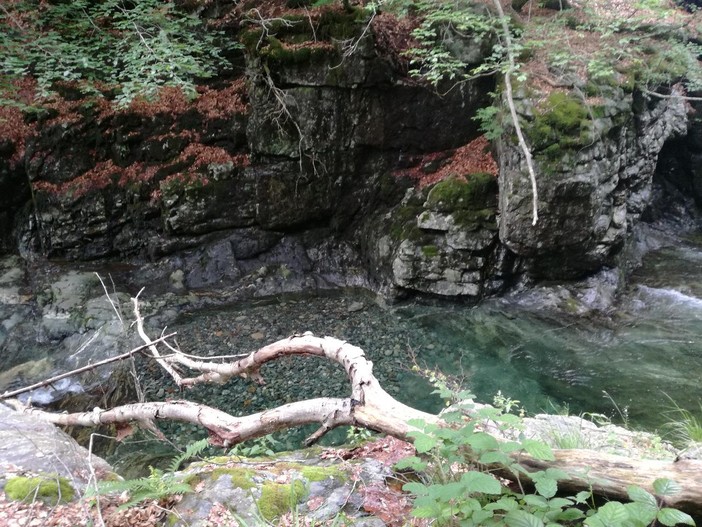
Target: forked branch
x=367, y=406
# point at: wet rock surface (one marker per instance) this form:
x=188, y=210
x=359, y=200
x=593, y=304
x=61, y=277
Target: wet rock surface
x=30, y=446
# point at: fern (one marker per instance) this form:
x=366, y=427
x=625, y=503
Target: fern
x=191, y=451
x=157, y=485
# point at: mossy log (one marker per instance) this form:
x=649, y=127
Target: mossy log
x=368, y=406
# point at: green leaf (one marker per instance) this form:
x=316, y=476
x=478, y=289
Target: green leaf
x=642, y=514
x=425, y=511
x=671, y=517
x=447, y=492
x=547, y=487
x=538, y=449
x=583, y=496
x=503, y=504
x=479, y=482
x=640, y=495
x=415, y=488
x=559, y=503
x=609, y=515
x=424, y=443
x=481, y=441
x=412, y=462
x=666, y=487
x=568, y=515
x=488, y=458
x=521, y=518
x=538, y=502
x=480, y=516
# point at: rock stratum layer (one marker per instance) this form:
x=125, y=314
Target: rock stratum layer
x=317, y=167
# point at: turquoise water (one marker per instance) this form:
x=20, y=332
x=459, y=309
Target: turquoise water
x=628, y=365
x=625, y=364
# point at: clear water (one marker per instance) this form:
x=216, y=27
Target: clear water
x=628, y=366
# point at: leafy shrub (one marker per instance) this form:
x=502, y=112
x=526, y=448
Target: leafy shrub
x=457, y=487
x=134, y=48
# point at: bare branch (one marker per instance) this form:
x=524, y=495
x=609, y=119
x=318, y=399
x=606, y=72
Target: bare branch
x=83, y=369
x=150, y=344
x=109, y=299
x=511, y=68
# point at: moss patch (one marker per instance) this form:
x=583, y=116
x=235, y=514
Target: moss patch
x=471, y=220
x=479, y=190
x=277, y=499
x=430, y=251
x=49, y=489
x=241, y=477
x=404, y=221
x=298, y=40
x=317, y=473
x=559, y=124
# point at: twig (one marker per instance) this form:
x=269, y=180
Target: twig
x=513, y=111
x=150, y=343
x=110, y=299
x=88, y=367
x=94, y=480
x=671, y=96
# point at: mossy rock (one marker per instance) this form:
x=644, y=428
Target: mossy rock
x=404, y=221
x=430, y=251
x=297, y=42
x=282, y=53
x=313, y=472
x=241, y=477
x=277, y=499
x=471, y=220
x=50, y=489
x=559, y=124
x=477, y=191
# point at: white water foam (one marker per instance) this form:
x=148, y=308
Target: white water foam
x=671, y=296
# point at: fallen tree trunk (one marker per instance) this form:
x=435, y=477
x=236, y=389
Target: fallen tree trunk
x=368, y=406
x=609, y=475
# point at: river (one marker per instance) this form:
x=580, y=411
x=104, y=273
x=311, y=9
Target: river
x=629, y=364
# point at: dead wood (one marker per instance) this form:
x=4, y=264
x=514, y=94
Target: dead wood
x=368, y=406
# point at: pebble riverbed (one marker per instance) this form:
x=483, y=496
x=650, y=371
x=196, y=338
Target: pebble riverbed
x=388, y=338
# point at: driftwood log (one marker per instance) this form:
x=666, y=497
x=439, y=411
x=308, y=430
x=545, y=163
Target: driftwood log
x=368, y=406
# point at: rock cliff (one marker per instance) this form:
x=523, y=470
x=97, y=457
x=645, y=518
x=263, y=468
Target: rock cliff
x=320, y=163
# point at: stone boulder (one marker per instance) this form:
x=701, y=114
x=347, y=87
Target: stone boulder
x=595, y=170
x=30, y=446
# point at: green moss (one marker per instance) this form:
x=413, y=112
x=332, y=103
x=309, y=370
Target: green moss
x=280, y=52
x=241, y=477
x=312, y=472
x=51, y=489
x=430, y=251
x=404, y=221
x=471, y=220
x=340, y=25
x=317, y=473
x=557, y=124
x=453, y=194
x=251, y=38
x=292, y=32
x=277, y=499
